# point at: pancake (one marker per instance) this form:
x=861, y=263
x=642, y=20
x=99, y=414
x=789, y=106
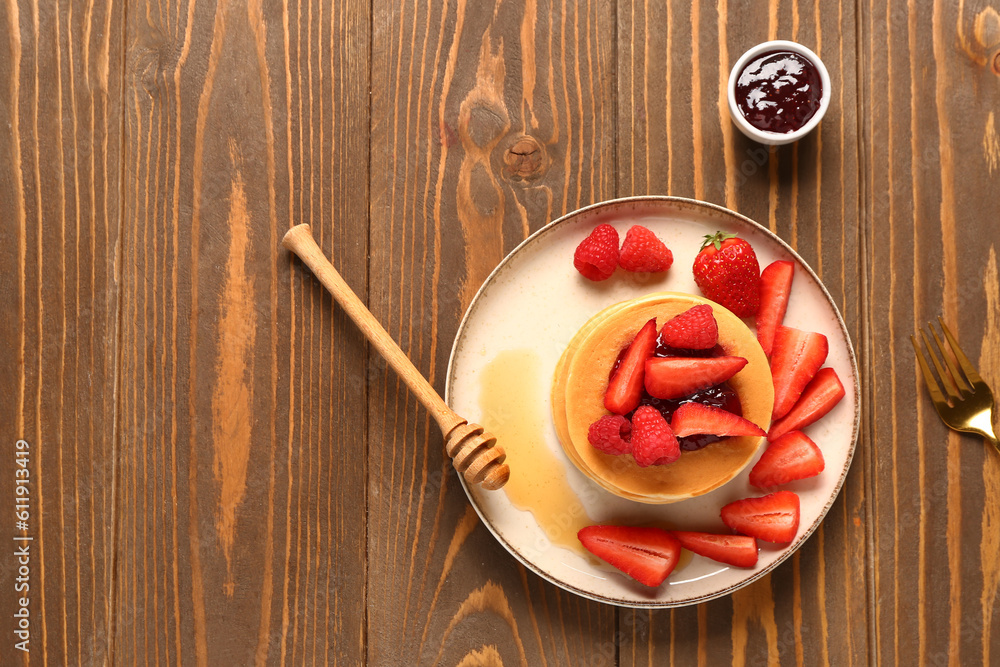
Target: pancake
x=581, y=379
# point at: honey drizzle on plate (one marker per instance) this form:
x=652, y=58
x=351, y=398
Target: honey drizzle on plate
x=513, y=412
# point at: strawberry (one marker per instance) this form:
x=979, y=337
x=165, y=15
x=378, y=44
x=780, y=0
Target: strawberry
x=692, y=418
x=737, y=550
x=727, y=272
x=676, y=377
x=625, y=387
x=653, y=443
x=795, y=358
x=818, y=398
x=772, y=518
x=790, y=457
x=597, y=255
x=775, y=287
x=611, y=434
x=643, y=252
x=648, y=555
x=694, y=329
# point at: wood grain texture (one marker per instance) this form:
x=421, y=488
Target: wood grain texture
x=929, y=97
x=242, y=415
x=488, y=120
x=60, y=110
x=676, y=137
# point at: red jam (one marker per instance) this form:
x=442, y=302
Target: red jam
x=779, y=91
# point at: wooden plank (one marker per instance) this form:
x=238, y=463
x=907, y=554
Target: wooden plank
x=242, y=442
x=60, y=109
x=676, y=137
x=930, y=98
x=487, y=122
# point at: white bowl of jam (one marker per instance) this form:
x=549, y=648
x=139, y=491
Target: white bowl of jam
x=778, y=92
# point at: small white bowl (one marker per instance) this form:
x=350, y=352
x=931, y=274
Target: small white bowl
x=777, y=138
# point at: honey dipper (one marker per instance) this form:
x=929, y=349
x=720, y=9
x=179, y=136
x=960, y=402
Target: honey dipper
x=473, y=451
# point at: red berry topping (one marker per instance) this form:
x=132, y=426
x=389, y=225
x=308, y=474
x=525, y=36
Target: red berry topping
x=611, y=434
x=727, y=271
x=792, y=456
x=653, y=443
x=694, y=329
x=677, y=377
x=597, y=255
x=693, y=418
x=643, y=252
x=625, y=387
x=648, y=555
x=772, y=518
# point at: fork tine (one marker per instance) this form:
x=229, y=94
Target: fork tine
x=949, y=386
x=959, y=379
x=970, y=370
x=932, y=386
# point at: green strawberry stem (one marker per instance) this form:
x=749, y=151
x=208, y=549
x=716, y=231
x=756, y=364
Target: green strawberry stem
x=716, y=239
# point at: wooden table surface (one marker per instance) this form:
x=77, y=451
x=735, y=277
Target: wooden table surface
x=221, y=473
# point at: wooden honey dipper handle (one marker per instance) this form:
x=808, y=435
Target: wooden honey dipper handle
x=473, y=451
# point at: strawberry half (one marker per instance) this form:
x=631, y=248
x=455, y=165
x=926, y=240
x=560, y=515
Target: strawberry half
x=648, y=555
x=653, y=443
x=737, y=550
x=795, y=358
x=775, y=287
x=792, y=456
x=677, y=377
x=727, y=272
x=818, y=398
x=693, y=418
x=625, y=388
x=772, y=518
x=694, y=329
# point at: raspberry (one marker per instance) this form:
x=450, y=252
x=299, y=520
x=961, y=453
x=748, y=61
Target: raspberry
x=642, y=252
x=610, y=434
x=597, y=255
x=653, y=443
x=694, y=329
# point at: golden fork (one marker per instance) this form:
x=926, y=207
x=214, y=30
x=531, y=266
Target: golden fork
x=969, y=403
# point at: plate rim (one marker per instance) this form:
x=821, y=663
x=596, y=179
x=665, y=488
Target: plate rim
x=694, y=203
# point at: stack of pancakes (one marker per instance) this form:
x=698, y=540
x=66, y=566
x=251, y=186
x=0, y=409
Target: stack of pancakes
x=581, y=379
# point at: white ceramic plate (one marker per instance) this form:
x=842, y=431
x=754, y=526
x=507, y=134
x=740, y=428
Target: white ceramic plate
x=531, y=306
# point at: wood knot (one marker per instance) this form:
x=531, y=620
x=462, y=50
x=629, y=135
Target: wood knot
x=996, y=63
x=524, y=160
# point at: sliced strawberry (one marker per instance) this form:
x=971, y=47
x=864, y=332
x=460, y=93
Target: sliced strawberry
x=772, y=518
x=653, y=443
x=625, y=388
x=775, y=286
x=676, y=377
x=648, y=555
x=818, y=398
x=738, y=550
x=694, y=329
x=792, y=456
x=692, y=418
x=795, y=358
